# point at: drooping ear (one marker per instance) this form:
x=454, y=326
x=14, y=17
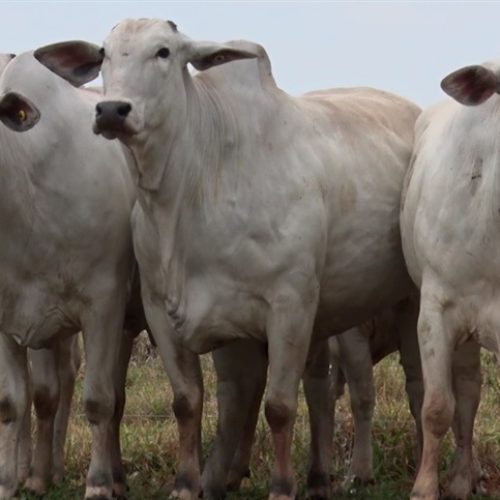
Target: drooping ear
x=204, y=55
x=471, y=85
x=75, y=61
x=17, y=112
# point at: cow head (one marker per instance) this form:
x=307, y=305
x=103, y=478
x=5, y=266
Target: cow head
x=471, y=85
x=144, y=70
x=17, y=112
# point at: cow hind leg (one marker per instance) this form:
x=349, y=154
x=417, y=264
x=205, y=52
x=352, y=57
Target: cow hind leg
x=467, y=388
x=241, y=371
x=439, y=403
x=317, y=389
x=240, y=466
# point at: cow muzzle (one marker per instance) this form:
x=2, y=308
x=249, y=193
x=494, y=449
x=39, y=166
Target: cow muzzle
x=112, y=119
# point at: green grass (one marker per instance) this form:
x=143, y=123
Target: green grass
x=149, y=438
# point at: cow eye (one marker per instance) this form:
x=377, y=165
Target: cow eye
x=163, y=53
x=101, y=52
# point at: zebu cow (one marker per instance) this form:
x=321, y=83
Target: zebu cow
x=450, y=237
x=53, y=373
x=260, y=215
x=66, y=258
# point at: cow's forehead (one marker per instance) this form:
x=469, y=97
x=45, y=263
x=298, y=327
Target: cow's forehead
x=141, y=31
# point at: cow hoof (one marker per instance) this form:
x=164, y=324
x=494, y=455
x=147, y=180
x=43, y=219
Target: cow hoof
x=183, y=494
x=98, y=493
x=353, y=484
x=36, y=485
x=459, y=489
x=235, y=478
x=319, y=485
x=214, y=494
x=281, y=496
x=417, y=495
x=6, y=493
x=119, y=490
x=58, y=475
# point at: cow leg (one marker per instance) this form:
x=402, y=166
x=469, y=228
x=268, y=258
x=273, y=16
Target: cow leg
x=119, y=476
x=24, y=453
x=467, y=389
x=356, y=364
x=14, y=404
x=317, y=388
x=289, y=332
x=102, y=336
x=241, y=372
x=439, y=403
x=184, y=372
x=406, y=324
x=68, y=364
x=46, y=400
x=240, y=467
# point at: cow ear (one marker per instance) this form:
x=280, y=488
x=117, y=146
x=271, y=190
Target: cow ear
x=204, y=55
x=471, y=85
x=77, y=62
x=17, y=112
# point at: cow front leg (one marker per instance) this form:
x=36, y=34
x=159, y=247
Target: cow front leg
x=14, y=405
x=467, y=380
x=320, y=403
x=438, y=407
x=241, y=373
x=289, y=331
x=184, y=372
x=102, y=336
x=46, y=400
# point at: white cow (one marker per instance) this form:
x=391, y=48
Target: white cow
x=53, y=373
x=66, y=258
x=260, y=215
x=450, y=237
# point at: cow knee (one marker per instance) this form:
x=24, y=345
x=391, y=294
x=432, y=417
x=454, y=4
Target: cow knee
x=363, y=402
x=8, y=410
x=185, y=406
x=279, y=413
x=45, y=402
x=98, y=409
x=437, y=413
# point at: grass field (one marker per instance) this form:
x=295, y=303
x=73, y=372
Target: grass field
x=149, y=437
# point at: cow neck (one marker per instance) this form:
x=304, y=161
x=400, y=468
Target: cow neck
x=17, y=192
x=185, y=153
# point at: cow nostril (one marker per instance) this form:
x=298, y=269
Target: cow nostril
x=98, y=110
x=124, y=109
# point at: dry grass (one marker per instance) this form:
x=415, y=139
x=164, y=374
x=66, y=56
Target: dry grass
x=149, y=436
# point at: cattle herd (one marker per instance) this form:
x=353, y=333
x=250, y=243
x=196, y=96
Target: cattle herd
x=225, y=215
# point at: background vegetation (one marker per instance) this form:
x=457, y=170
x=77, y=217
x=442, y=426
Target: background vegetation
x=149, y=438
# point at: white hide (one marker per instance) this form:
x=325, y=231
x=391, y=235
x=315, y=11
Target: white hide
x=66, y=257
x=449, y=224
x=259, y=215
